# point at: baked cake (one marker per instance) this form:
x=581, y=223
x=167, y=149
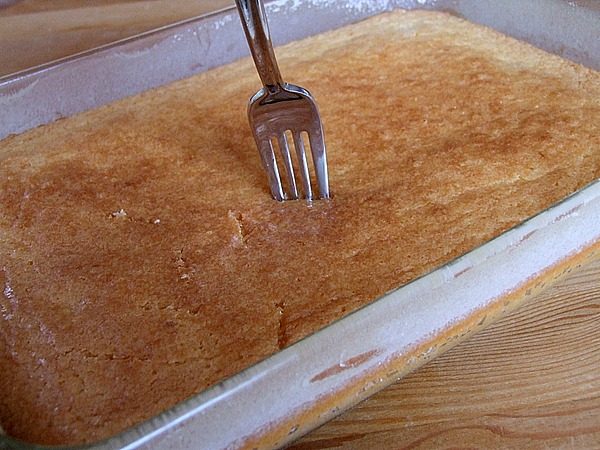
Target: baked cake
x=142, y=258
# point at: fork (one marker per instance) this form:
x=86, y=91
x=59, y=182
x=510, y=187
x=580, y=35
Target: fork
x=279, y=108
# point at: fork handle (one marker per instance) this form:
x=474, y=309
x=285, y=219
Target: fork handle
x=256, y=28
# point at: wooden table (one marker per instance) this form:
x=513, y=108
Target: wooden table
x=33, y=32
x=531, y=380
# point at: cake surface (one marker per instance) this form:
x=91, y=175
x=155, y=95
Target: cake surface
x=142, y=258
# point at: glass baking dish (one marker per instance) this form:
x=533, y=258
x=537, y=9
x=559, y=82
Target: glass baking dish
x=295, y=390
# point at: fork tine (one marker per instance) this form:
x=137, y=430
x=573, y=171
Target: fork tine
x=270, y=164
x=301, y=153
x=317, y=147
x=287, y=162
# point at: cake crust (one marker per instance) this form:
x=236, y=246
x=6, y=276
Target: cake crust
x=143, y=260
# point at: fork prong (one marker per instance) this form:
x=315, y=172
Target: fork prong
x=317, y=147
x=289, y=169
x=305, y=174
x=267, y=154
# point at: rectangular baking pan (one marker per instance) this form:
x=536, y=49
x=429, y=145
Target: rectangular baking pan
x=295, y=390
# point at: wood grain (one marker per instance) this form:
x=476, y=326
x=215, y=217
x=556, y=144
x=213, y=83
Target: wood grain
x=35, y=32
x=531, y=380
x=37, y=6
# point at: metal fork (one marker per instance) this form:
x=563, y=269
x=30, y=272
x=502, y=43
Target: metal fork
x=278, y=108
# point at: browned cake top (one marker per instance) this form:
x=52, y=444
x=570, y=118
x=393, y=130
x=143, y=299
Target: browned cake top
x=142, y=259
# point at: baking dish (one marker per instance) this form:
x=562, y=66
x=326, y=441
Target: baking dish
x=307, y=383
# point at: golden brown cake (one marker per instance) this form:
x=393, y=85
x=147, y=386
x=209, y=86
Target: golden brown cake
x=142, y=258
